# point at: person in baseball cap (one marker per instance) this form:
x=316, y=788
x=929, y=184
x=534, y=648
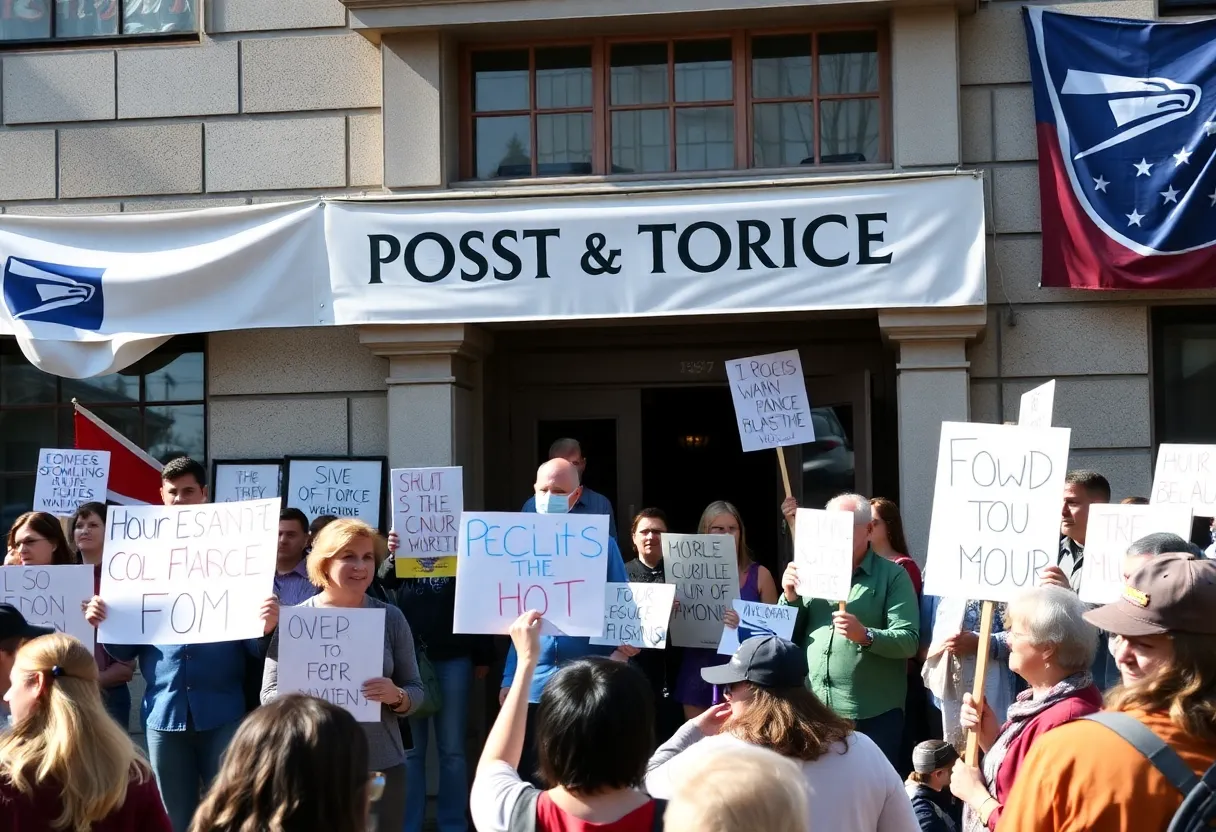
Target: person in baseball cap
x=769, y=705
x=14, y=632
x=928, y=786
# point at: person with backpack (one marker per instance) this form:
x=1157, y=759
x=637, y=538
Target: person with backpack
x=1130, y=767
x=594, y=732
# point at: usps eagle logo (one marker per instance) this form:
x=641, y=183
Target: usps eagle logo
x=1128, y=112
x=54, y=293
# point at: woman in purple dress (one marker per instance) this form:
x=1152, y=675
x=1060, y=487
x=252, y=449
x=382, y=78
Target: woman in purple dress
x=755, y=584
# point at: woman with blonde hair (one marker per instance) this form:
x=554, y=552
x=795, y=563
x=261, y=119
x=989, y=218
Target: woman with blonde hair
x=65, y=766
x=755, y=584
x=343, y=563
x=739, y=791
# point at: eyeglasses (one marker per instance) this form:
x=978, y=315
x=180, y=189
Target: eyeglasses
x=29, y=542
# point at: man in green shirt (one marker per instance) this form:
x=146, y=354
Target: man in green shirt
x=858, y=658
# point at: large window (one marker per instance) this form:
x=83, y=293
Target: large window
x=59, y=20
x=157, y=403
x=711, y=103
x=1185, y=374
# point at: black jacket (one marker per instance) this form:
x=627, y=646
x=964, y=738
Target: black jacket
x=934, y=810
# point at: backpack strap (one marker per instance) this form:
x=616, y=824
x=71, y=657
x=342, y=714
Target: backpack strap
x=1142, y=738
x=660, y=809
x=523, y=814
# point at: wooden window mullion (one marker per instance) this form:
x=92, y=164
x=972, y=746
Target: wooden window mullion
x=534, y=149
x=815, y=121
x=741, y=103
x=601, y=138
x=671, y=105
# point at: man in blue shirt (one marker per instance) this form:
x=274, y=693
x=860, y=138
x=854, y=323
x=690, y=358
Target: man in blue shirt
x=557, y=491
x=194, y=698
x=588, y=501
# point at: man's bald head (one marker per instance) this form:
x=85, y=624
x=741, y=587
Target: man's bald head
x=557, y=476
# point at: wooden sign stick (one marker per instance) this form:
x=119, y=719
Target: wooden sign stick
x=785, y=473
x=981, y=670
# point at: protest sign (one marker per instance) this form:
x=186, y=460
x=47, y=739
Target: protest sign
x=68, y=479
x=823, y=553
x=344, y=487
x=233, y=481
x=996, y=509
x=51, y=596
x=187, y=574
x=1035, y=408
x=329, y=652
x=426, y=513
x=771, y=406
x=756, y=619
x=1111, y=529
x=636, y=614
x=705, y=570
x=1186, y=476
x=512, y=562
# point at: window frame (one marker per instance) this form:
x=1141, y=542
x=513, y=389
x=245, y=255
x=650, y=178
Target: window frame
x=741, y=101
x=118, y=38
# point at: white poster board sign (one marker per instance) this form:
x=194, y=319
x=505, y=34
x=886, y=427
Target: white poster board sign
x=235, y=482
x=756, y=619
x=345, y=488
x=187, y=574
x=705, y=571
x=51, y=596
x=636, y=614
x=771, y=406
x=329, y=653
x=426, y=510
x=512, y=562
x=1036, y=406
x=1111, y=530
x=823, y=553
x=1186, y=476
x=996, y=509
x=68, y=479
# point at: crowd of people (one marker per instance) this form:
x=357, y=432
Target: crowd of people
x=855, y=724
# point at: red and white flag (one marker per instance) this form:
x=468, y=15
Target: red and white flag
x=134, y=474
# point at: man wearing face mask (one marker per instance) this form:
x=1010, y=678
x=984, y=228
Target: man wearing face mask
x=586, y=501
x=557, y=491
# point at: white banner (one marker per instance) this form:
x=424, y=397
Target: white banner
x=330, y=653
x=187, y=574
x=51, y=596
x=67, y=479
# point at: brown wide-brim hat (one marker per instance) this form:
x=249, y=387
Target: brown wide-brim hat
x=1171, y=593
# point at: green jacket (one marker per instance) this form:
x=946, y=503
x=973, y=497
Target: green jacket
x=854, y=681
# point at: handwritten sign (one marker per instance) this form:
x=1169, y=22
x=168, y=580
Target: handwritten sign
x=757, y=619
x=512, y=562
x=771, y=406
x=187, y=574
x=823, y=553
x=69, y=479
x=996, y=509
x=636, y=615
x=329, y=653
x=51, y=596
x=426, y=513
x=1186, y=476
x=234, y=482
x=1036, y=406
x=705, y=570
x=342, y=487
x=1112, y=529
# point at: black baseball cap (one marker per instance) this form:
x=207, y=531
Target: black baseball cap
x=767, y=661
x=14, y=625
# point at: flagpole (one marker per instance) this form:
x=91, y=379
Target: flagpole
x=118, y=437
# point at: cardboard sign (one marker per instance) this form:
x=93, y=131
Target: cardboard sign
x=771, y=406
x=51, y=596
x=69, y=479
x=636, y=615
x=426, y=513
x=187, y=574
x=996, y=509
x=705, y=571
x=756, y=619
x=344, y=488
x=1186, y=476
x=1112, y=529
x=823, y=552
x=234, y=482
x=329, y=652
x=512, y=562
x=1036, y=406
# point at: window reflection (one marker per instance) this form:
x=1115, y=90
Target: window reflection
x=705, y=138
x=784, y=134
x=25, y=20
x=180, y=379
x=87, y=18
x=848, y=130
x=504, y=146
x=563, y=144
x=848, y=63
x=703, y=70
x=144, y=17
x=827, y=463
x=563, y=77
x=175, y=430
x=640, y=141
x=781, y=66
x=500, y=80
x=639, y=73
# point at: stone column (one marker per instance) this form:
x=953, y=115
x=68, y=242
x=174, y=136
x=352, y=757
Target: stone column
x=933, y=387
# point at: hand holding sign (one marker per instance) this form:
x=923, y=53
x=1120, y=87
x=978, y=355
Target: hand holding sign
x=336, y=654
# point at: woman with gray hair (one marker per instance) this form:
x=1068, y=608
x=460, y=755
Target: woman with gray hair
x=1052, y=647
